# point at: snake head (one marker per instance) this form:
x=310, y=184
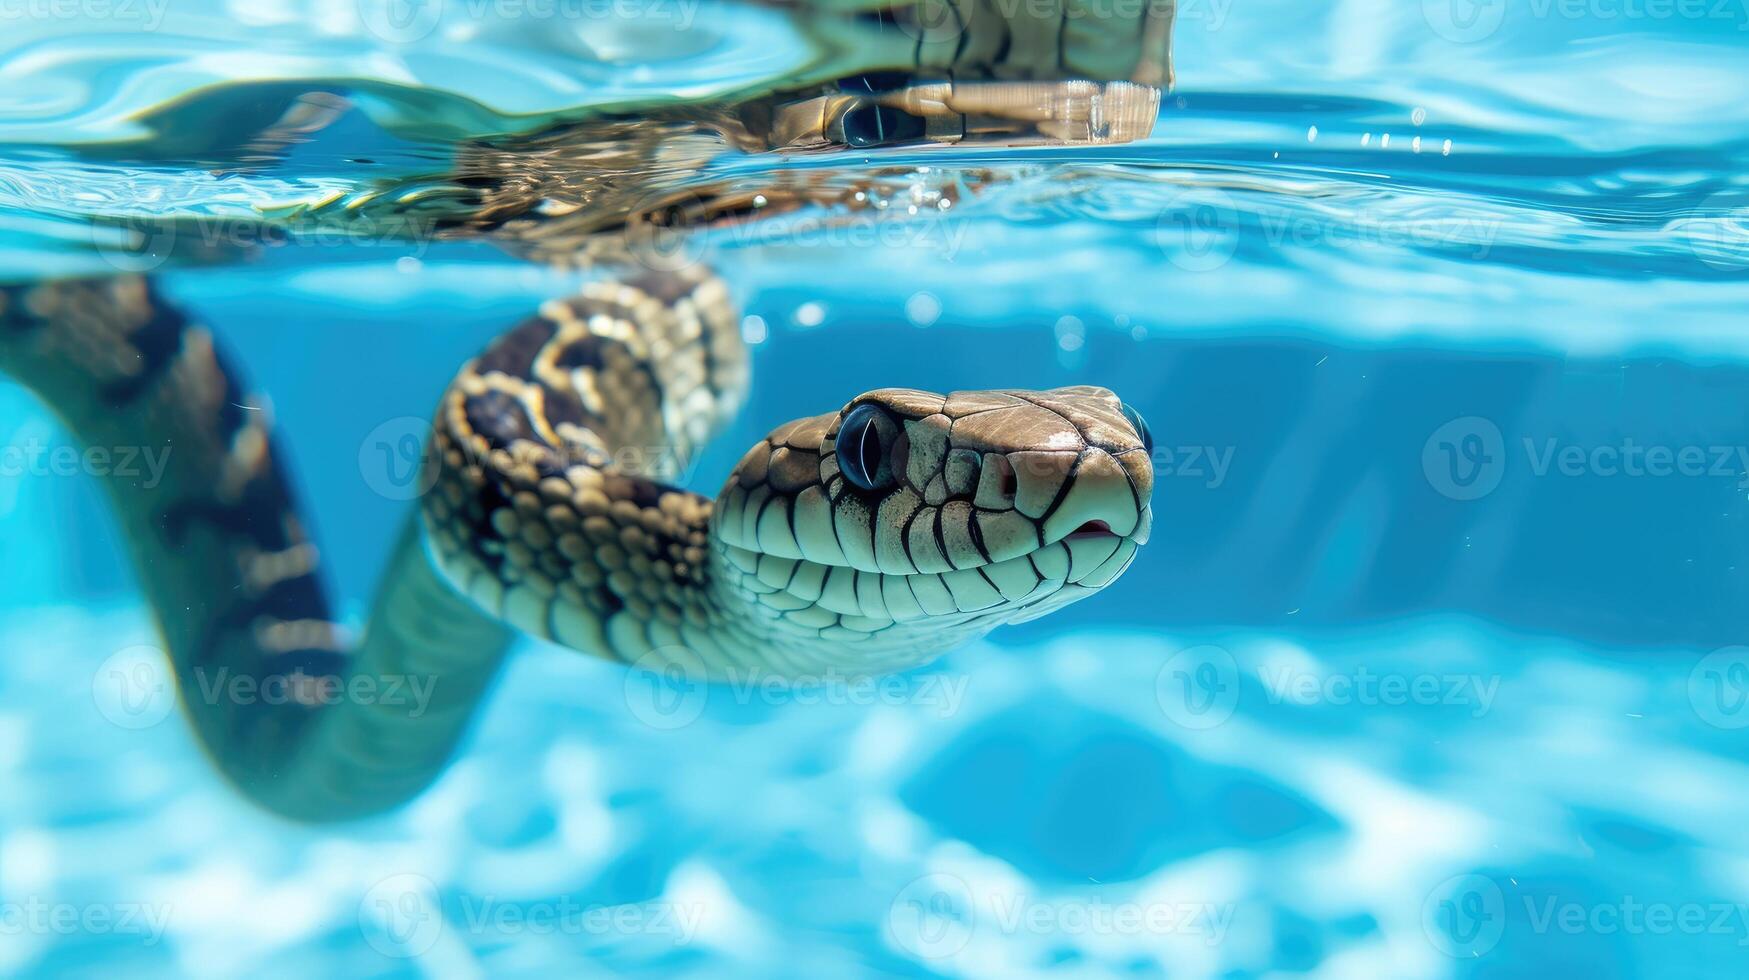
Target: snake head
x=909, y=520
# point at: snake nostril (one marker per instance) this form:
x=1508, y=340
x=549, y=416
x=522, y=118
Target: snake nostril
x=1006, y=482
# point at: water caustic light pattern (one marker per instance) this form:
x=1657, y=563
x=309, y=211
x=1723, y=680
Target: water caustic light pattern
x=1383, y=375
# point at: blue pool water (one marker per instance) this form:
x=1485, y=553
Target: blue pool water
x=1432, y=669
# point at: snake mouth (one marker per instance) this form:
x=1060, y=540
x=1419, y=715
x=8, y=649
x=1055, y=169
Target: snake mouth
x=1091, y=529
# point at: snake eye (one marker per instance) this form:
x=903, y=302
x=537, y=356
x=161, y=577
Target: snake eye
x=878, y=125
x=863, y=441
x=1140, y=425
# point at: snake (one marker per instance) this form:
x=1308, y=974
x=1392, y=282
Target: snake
x=870, y=538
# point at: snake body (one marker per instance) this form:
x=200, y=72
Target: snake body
x=971, y=509
x=869, y=538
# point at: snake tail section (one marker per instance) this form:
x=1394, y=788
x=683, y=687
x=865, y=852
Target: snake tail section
x=303, y=719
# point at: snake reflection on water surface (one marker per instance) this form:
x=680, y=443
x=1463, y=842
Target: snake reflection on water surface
x=870, y=538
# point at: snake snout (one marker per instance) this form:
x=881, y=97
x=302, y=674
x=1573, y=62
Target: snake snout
x=1106, y=497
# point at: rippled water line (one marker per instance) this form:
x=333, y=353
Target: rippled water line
x=69, y=85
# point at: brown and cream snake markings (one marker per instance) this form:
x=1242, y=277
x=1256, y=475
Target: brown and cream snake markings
x=872, y=537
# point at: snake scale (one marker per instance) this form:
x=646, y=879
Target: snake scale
x=869, y=538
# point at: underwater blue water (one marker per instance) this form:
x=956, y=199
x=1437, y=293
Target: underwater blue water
x=1433, y=667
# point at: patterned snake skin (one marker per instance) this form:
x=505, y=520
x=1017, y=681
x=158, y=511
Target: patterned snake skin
x=869, y=538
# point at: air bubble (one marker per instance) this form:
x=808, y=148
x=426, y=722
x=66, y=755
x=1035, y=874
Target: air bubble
x=1071, y=333
x=922, y=309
